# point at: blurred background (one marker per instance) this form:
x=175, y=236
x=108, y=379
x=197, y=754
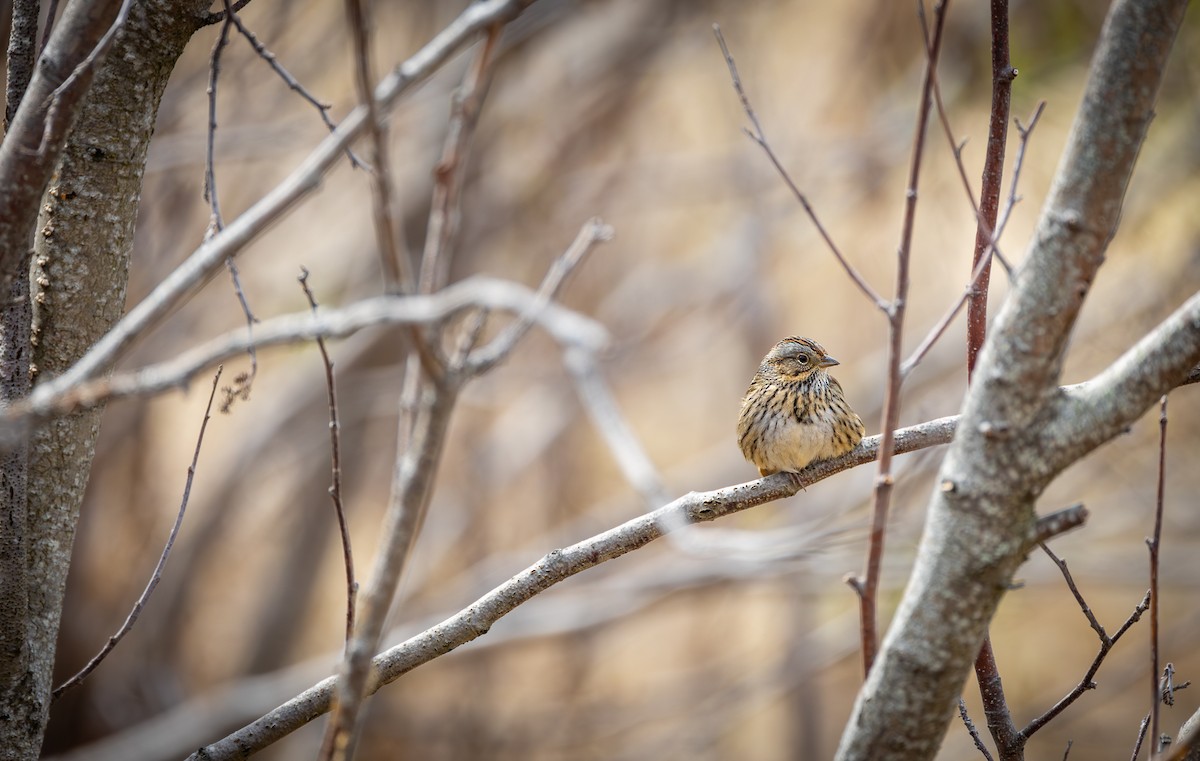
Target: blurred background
x=744, y=645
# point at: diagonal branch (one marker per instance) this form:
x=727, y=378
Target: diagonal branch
x=303, y=181
x=565, y=326
x=162, y=559
x=475, y=620
x=1106, y=644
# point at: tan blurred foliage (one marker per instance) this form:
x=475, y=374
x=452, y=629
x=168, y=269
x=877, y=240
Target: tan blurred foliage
x=623, y=109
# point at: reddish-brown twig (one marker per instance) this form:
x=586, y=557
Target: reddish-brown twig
x=162, y=559
x=867, y=587
x=335, y=451
x=993, y=171
x=987, y=672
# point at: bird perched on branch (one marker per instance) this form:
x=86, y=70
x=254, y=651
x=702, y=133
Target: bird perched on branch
x=794, y=412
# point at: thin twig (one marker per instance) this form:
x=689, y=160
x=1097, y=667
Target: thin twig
x=284, y=74
x=940, y=326
x=1013, y=199
x=1141, y=735
x=760, y=139
x=215, y=18
x=397, y=267
x=441, y=231
x=1153, y=544
x=335, y=451
x=51, y=12
x=243, y=381
x=412, y=487
x=1023, y=131
x=444, y=215
x=884, y=481
x=956, y=148
x=162, y=559
x=1083, y=606
x=970, y=725
x=1106, y=644
x=594, y=231
x=1067, y=750
x=215, y=222
x=1003, y=75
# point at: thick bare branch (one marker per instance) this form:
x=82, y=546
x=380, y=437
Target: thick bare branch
x=567, y=327
x=1091, y=413
x=982, y=512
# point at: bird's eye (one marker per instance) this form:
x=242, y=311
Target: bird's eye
x=802, y=359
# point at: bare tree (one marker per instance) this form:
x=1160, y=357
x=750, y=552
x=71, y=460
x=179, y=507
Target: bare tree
x=72, y=170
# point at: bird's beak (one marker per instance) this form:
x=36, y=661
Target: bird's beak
x=828, y=361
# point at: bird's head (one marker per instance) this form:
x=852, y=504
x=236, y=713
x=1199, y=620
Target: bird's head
x=797, y=358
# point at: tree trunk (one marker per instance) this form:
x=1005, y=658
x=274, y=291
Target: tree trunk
x=1018, y=431
x=84, y=237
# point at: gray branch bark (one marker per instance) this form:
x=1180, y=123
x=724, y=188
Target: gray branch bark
x=71, y=169
x=475, y=620
x=1018, y=430
x=37, y=118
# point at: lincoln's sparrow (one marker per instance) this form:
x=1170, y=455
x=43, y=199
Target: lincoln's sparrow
x=794, y=411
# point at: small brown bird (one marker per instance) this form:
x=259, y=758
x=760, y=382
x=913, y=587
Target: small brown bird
x=794, y=412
